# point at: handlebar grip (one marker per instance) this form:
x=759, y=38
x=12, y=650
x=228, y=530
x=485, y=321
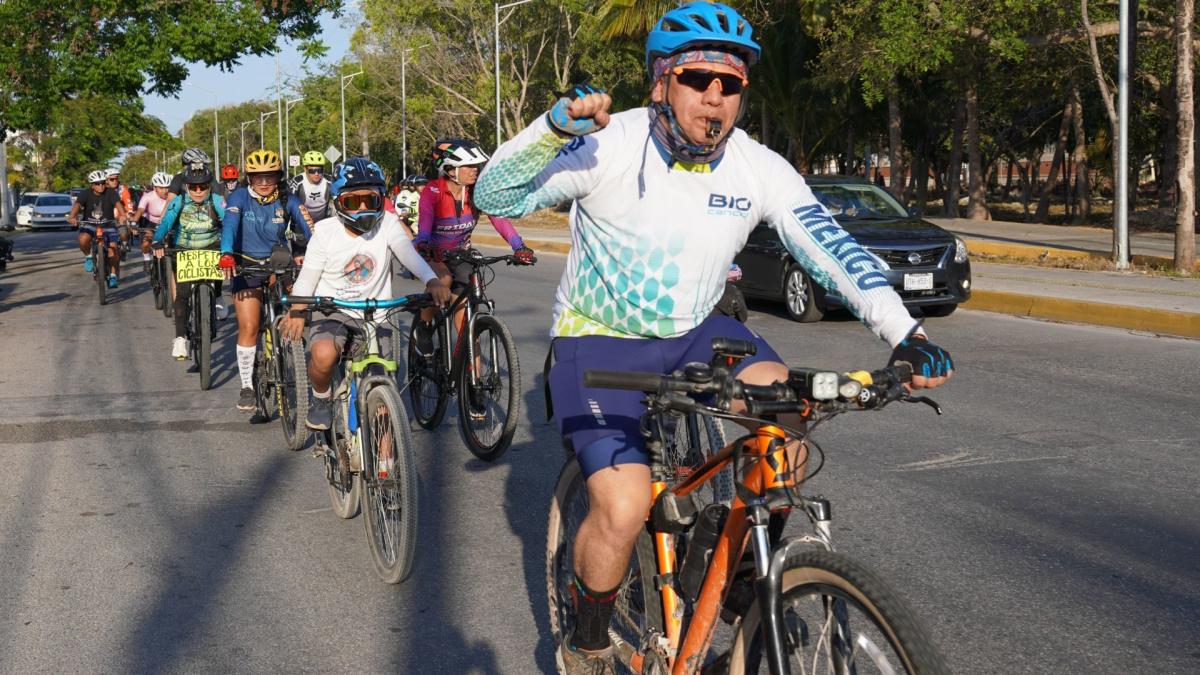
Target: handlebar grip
x=760, y=408
x=734, y=347
x=622, y=379
x=302, y=300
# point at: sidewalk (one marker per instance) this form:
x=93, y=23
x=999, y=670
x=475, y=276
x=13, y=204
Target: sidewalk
x=1157, y=304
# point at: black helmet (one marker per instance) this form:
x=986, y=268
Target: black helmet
x=358, y=173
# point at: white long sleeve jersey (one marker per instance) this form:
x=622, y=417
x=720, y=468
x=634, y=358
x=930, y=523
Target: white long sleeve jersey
x=652, y=239
x=346, y=267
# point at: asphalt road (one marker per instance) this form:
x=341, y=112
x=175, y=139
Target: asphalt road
x=1047, y=523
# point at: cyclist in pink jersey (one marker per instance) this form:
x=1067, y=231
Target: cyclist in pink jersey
x=151, y=208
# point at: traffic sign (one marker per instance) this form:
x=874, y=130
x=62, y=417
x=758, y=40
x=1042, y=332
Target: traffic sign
x=293, y=160
x=332, y=154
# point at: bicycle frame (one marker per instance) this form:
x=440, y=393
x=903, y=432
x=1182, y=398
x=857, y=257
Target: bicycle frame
x=474, y=303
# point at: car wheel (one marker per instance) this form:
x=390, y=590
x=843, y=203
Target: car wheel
x=801, y=297
x=939, y=310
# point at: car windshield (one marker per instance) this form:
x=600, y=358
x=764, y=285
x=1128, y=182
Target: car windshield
x=856, y=201
x=26, y=200
x=54, y=200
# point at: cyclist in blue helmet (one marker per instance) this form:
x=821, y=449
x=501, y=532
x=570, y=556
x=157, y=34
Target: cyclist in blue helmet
x=349, y=257
x=663, y=199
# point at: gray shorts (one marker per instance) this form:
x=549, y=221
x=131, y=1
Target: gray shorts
x=345, y=330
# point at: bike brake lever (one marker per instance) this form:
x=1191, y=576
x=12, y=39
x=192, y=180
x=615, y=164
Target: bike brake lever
x=923, y=399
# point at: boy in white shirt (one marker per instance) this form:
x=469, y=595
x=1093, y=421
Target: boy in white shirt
x=348, y=257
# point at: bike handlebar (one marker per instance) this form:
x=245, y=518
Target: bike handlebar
x=414, y=301
x=472, y=257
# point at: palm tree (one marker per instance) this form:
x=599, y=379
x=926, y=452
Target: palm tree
x=632, y=18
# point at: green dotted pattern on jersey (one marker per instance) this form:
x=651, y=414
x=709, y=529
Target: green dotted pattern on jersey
x=623, y=289
x=504, y=189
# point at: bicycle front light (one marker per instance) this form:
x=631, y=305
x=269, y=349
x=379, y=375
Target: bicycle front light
x=960, y=250
x=825, y=386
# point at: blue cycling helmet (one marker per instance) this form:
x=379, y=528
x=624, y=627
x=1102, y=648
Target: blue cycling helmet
x=701, y=23
x=358, y=173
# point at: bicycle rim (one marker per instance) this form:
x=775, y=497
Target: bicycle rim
x=292, y=393
x=264, y=396
x=390, y=503
x=839, y=618
x=203, y=312
x=488, y=410
x=426, y=387
x=637, y=616
x=101, y=267
x=168, y=306
x=345, y=485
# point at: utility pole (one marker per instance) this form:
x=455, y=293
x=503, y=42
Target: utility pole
x=404, y=111
x=261, y=117
x=345, y=79
x=242, y=135
x=1121, y=180
x=287, y=124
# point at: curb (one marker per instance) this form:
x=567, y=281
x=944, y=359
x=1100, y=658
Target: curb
x=1163, y=321
x=1082, y=311
x=1028, y=251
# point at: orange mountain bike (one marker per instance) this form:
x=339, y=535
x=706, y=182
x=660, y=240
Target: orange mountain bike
x=794, y=604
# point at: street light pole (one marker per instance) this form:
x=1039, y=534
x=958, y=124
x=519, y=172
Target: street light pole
x=242, y=135
x=345, y=79
x=287, y=124
x=279, y=124
x=404, y=111
x=216, y=140
x=499, y=7
x=1121, y=180
x=261, y=118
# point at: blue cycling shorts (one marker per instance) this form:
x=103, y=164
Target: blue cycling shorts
x=602, y=426
x=110, y=233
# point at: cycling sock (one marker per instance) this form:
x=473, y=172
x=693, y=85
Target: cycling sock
x=147, y=257
x=593, y=611
x=322, y=394
x=245, y=359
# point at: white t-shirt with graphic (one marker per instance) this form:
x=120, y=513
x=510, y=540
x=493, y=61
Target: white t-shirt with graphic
x=346, y=267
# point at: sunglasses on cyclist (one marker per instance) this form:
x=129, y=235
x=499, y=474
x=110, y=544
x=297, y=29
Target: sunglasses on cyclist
x=198, y=187
x=99, y=182
x=360, y=201
x=314, y=169
x=700, y=80
x=262, y=179
x=113, y=179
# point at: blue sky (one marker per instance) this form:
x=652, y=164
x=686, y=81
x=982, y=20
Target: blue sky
x=247, y=81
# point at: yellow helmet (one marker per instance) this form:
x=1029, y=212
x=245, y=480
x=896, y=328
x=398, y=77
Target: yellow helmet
x=263, y=161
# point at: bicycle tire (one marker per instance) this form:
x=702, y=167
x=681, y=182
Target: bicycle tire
x=345, y=499
x=264, y=366
x=490, y=447
x=203, y=313
x=168, y=272
x=101, y=267
x=638, y=612
x=426, y=383
x=389, y=506
x=156, y=284
x=291, y=390
x=832, y=578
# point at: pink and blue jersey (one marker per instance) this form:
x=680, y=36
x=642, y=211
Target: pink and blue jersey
x=446, y=224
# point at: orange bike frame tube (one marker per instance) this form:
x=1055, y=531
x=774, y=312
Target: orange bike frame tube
x=664, y=552
x=769, y=442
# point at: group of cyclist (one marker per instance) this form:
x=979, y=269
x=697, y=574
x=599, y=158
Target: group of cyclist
x=663, y=197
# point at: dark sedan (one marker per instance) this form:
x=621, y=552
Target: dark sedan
x=926, y=265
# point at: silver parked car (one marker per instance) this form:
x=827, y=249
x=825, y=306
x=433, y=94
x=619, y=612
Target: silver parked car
x=50, y=210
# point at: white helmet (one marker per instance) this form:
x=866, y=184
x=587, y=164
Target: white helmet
x=97, y=176
x=452, y=153
x=109, y=173
x=161, y=179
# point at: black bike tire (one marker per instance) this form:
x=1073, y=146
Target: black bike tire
x=203, y=313
x=405, y=482
x=168, y=272
x=482, y=450
x=156, y=284
x=560, y=543
x=101, y=265
x=291, y=359
x=346, y=504
x=415, y=380
x=263, y=364
x=850, y=581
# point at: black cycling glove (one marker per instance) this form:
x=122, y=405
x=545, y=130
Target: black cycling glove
x=925, y=358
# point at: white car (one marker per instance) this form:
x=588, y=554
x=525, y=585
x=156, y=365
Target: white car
x=25, y=208
x=50, y=210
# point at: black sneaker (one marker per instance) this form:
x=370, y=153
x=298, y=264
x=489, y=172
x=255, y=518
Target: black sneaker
x=320, y=414
x=424, y=335
x=476, y=403
x=246, y=400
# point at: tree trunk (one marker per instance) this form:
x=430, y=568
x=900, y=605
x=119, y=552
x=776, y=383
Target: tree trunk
x=1023, y=176
x=954, y=170
x=920, y=179
x=1083, y=191
x=1060, y=149
x=976, y=181
x=1185, y=209
x=895, y=160
x=848, y=153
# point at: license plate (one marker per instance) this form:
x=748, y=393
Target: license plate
x=198, y=265
x=918, y=282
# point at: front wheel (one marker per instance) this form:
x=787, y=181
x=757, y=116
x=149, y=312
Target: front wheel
x=489, y=407
x=801, y=296
x=638, y=611
x=292, y=393
x=168, y=273
x=345, y=480
x=839, y=618
x=156, y=284
x=203, y=311
x=390, y=482
x=264, y=374
x=100, y=262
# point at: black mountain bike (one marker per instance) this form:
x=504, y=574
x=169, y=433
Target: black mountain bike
x=479, y=364
x=280, y=374
x=6, y=248
x=200, y=266
x=99, y=255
